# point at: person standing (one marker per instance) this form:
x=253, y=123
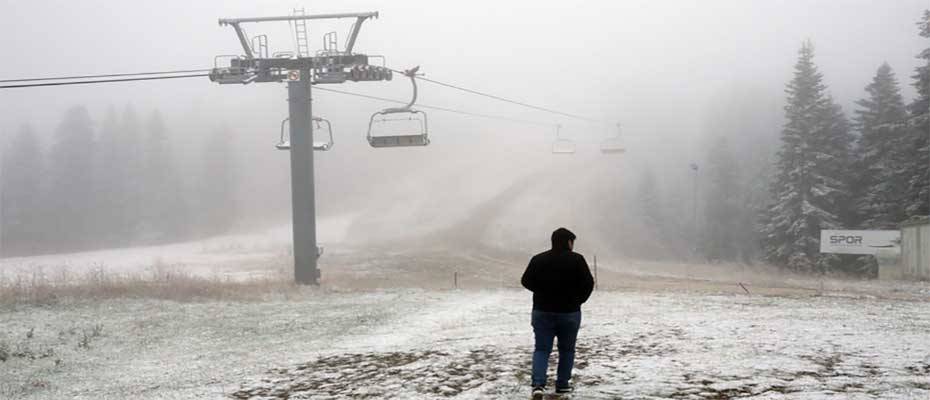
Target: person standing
x=561, y=282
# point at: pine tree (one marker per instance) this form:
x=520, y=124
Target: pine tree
x=723, y=207
x=218, y=206
x=918, y=164
x=119, y=169
x=649, y=200
x=810, y=189
x=833, y=173
x=163, y=213
x=21, y=201
x=112, y=181
x=72, y=183
x=833, y=183
x=652, y=207
x=131, y=177
x=880, y=154
x=743, y=118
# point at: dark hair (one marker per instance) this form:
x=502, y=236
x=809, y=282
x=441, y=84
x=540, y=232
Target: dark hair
x=561, y=237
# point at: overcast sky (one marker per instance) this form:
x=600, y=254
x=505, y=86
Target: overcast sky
x=675, y=73
x=656, y=66
x=609, y=59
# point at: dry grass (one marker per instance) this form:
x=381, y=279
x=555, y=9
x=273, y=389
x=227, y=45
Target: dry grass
x=159, y=282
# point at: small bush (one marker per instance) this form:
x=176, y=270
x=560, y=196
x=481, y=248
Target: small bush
x=24, y=351
x=4, y=351
x=96, y=330
x=84, y=341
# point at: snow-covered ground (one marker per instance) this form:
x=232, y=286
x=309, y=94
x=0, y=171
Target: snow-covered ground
x=387, y=323
x=237, y=255
x=470, y=344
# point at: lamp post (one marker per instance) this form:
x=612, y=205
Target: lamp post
x=694, y=207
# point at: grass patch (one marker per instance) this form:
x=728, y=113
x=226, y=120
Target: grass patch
x=158, y=282
x=24, y=350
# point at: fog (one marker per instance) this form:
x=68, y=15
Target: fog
x=146, y=235
x=675, y=74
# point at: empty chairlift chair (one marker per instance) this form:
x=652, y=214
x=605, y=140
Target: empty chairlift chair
x=399, y=126
x=321, y=125
x=613, y=144
x=562, y=145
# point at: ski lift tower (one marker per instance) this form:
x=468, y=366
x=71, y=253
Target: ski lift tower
x=301, y=71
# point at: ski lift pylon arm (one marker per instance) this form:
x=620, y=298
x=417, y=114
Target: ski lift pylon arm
x=235, y=22
x=242, y=40
x=350, y=42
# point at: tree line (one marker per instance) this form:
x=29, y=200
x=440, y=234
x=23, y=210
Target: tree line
x=112, y=186
x=830, y=171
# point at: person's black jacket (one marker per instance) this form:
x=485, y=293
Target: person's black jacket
x=560, y=281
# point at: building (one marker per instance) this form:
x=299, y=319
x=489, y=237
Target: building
x=915, y=249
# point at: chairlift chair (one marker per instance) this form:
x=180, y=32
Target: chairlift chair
x=562, y=145
x=613, y=144
x=413, y=123
x=320, y=124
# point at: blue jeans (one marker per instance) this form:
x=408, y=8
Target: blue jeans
x=547, y=326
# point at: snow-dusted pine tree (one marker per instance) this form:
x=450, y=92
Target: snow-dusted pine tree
x=21, y=190
x=918, y=167
x=810, y=187
x=651, y=204
x=723, y=205
x=113, y=219
x=880, y=154
x=72, y=193
x=164, y=213
x=217, y=208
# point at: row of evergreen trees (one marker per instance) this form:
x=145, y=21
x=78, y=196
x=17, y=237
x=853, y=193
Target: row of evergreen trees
x=870, y=172
x=117, y=186
x=829, y=172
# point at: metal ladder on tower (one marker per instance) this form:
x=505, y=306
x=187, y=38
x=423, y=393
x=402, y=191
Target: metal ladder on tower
x=300, y=32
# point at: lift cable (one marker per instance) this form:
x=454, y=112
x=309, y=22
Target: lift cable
x=62, y=78
x=139, y=78
x=86, y=82
x=82, y=79
x=499, y=98
x=437, y=108
x=82, y=82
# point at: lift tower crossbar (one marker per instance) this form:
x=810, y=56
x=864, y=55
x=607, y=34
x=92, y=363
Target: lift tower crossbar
x=234, y=22
x=300, y=72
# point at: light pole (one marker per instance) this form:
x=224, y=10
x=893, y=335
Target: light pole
x=694, y=207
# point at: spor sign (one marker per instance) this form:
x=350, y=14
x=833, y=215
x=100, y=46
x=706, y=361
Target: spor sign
x=857, y=242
